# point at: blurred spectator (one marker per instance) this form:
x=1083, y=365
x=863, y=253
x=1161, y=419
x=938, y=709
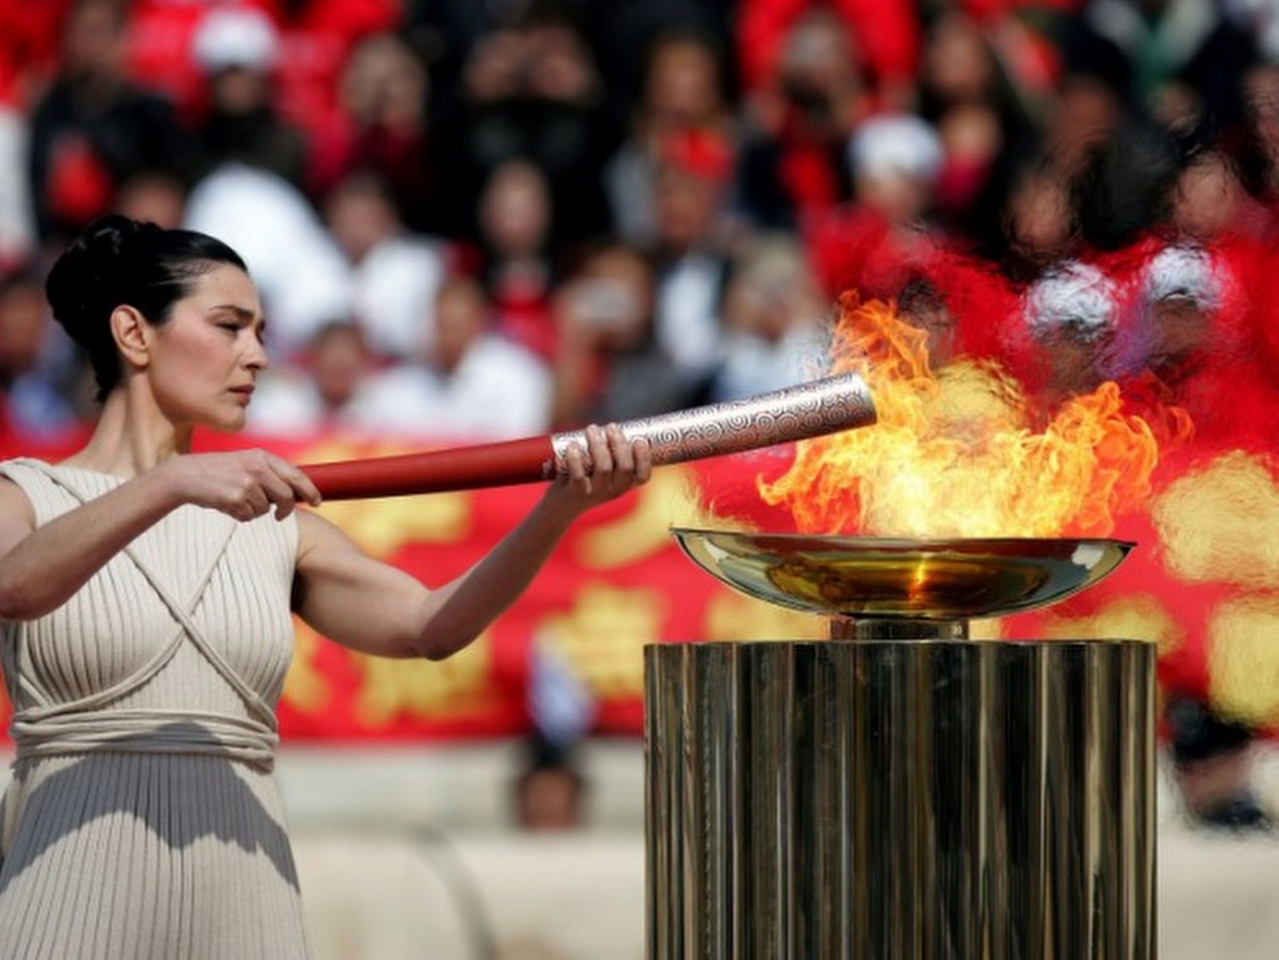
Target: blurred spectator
x=237, y=51
x=394, y=273
x=160, y=47
x=925, y=307
x=316, y=38
x=683, y=90
x=1260, y=17
x=885, y=36
x=1123, y=188
x=1179, y=62
x=153, y=197
x=884, y=236
x=618, y=32
x=895, y=161
x=469, y=383
x=29, y=47
x=17, y=218
x=696, y=235
x=963, y=304
x=302, y=276
x=1071, y=318
x=1257, y=164
x=1196, y=339
x=1210, y=202
x=322, y=391
x=515, y=256
x=530, y=91
x=1183, y=288
x=1037, y=223
x=1082, y=116
x=550, y=791
x=1212, y=765
x=93, y=128
x=984, y=120
x=382, y=126
x=42, y=387
x=775, y=330
x=797, y=127
x=610, y=365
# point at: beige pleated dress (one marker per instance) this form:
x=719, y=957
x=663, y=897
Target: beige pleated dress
x=142, y=820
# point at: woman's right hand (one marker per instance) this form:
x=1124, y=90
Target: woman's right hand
x=42, y=566
x=244, y=484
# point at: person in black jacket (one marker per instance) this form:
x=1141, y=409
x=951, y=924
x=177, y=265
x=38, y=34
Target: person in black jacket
x=93, y=129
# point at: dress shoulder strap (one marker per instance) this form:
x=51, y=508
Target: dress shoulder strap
x=54, y=489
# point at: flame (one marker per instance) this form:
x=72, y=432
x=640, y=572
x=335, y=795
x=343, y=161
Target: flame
x=961, y=452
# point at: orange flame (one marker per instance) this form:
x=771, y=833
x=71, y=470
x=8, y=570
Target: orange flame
x=956, y=453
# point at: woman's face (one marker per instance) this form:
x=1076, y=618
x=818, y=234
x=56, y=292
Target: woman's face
x=205, y=360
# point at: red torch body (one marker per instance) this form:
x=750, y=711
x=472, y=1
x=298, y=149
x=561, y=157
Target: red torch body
x=794, y=413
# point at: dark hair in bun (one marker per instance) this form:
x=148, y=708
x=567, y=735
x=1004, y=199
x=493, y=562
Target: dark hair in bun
x=117, y=261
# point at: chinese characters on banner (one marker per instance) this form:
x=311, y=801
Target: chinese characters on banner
x=1202, y=582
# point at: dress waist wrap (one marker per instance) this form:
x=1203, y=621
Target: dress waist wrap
x=146, y=731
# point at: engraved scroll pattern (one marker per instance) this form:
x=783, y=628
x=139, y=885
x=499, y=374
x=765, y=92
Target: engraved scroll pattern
x=782, y=416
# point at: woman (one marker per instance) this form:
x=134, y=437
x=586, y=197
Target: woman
x=146, y=596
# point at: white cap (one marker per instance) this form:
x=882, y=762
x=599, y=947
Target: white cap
x=902, y=142
x=1183, y=273
x=1076, y=297
x=235, y=37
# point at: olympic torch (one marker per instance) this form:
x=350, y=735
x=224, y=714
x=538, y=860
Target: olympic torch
x=807, y=410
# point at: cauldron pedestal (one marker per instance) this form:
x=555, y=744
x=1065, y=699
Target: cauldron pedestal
x=901, y=799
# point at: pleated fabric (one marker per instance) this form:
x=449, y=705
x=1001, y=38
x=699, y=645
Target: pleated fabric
x=142, y=820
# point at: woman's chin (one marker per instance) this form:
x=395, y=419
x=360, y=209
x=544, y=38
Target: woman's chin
x=233, y=423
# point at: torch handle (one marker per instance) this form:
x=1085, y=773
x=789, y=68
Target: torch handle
x=436, y=471
x=781, y=416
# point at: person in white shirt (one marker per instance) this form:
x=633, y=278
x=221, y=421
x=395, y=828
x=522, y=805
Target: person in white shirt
x=469, y=384
x=776, y=330
x=322, y=392
x=301, y=273
x=395, y=274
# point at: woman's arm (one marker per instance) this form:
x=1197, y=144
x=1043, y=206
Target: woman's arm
x=42, y=567
x=376, y=608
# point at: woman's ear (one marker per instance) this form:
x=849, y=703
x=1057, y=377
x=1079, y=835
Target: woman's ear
x=132, y=335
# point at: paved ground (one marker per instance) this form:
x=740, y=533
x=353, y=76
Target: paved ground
x=410, y=854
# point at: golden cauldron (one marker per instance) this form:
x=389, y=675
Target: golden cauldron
x=899, y=587
x=912, y=794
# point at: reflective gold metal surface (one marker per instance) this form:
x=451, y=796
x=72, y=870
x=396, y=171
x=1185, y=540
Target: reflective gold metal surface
x=959, y=579
x=900, y=800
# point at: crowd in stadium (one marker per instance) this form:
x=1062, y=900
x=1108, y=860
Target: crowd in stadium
x=488, y=220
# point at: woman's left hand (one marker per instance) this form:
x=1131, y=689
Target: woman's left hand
x=610, y=466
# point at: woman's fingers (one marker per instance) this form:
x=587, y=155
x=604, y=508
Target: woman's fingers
x=575, y=458
x=623, y=455
x=598, y=446
x=286, y=485
x=610, y=463
x=246, y=484
x=643, y=454
x=279, y=493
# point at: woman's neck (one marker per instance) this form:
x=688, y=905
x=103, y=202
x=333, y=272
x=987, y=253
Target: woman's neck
x=130, y=438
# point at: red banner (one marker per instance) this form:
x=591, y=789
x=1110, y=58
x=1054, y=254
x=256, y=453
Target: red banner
x=1203, y=582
